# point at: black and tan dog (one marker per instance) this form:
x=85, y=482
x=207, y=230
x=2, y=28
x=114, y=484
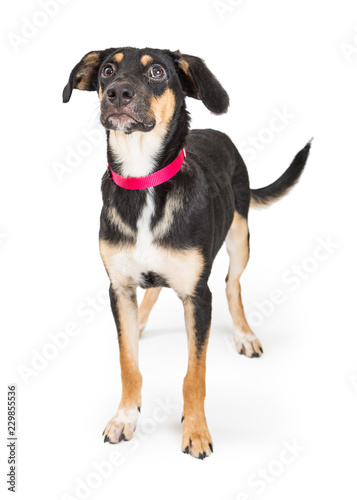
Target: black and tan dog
x=169, y=235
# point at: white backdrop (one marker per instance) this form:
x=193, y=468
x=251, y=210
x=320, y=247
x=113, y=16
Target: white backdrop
x=283, y=426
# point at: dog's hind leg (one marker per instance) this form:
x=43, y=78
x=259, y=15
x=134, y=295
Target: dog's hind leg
x=150, y=297
x=237, y=243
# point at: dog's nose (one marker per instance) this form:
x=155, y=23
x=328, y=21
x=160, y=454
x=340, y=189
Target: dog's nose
x=120, y=92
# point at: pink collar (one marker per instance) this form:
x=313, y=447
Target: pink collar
x=151, y=180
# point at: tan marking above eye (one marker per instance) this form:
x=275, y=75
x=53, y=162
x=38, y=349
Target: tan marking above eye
x=146, y=59
x=119, y=57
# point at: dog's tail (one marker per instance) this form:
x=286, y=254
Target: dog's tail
x=271, y=193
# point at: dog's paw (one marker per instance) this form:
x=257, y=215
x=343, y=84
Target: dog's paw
x=248, y=344
x=196, y=441
x=122, y=426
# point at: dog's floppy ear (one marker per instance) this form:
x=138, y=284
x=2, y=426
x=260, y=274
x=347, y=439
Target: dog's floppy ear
x=84, y=76
x=197, y=81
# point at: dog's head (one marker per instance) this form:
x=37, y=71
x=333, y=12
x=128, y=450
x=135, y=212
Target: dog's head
x=140, y=89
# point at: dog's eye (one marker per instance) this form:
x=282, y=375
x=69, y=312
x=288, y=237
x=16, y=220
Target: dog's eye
x=108, y=71
x=157, y=72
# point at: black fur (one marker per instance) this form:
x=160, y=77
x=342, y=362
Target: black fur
x=290, y=177
x=200, y=83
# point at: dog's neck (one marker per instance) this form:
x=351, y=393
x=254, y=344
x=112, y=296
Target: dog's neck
x=141, y=153
x=134, y=154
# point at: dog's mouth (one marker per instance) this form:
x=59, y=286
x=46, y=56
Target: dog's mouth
x=123, y=118
x=126, y=122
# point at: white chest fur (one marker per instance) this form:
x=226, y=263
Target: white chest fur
x=126, y=264
x=145, y=236
x=141, y=257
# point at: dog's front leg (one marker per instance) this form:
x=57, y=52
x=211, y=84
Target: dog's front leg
x=196, y=438
x=125, y=311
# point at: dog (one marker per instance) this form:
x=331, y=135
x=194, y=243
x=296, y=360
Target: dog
x=171, y=198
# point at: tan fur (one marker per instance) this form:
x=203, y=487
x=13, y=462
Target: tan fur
x=124, y=421
x=172, y=206
x=92, y=58
x=180, y=268
x=117, y=221
x=185, y=67
x=146, y=59
x=238, y=250
x=85, y=74
x=129, y=344
x=82, y=85
x=183, y=64
x=119, y=57
x=195, y=434
x=163, y=108
x=89, y=65
x=150, y=297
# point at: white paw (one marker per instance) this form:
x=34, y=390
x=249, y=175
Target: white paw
x=122, y=426
x=248, y=344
